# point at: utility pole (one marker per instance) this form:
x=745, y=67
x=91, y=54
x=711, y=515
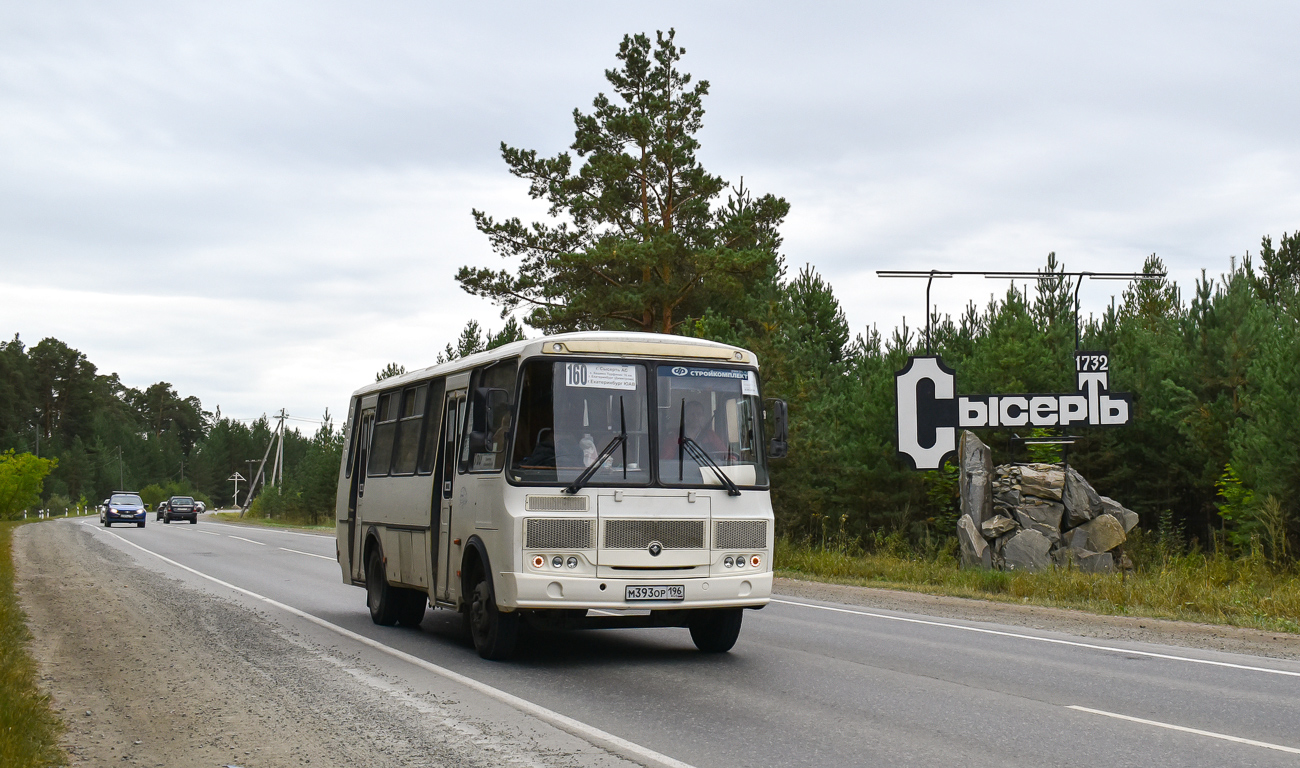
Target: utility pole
x=121, y=478
x=277, y=472
x=261, y=468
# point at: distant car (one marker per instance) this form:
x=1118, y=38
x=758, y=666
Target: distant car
x=122, y=507
x=201, y=506
x=161, y=508
x=181, y=508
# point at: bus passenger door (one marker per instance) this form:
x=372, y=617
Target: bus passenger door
x=446, y=552
x=358, y=490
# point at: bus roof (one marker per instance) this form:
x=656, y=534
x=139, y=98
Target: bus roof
x=584, y=343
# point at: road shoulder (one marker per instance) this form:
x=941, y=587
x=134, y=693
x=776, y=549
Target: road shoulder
x=146, y=670
x=1185, y=634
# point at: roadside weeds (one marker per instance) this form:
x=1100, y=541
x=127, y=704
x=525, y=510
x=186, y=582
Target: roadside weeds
x=1240, y=593
x=263, y=522
x=29, y=730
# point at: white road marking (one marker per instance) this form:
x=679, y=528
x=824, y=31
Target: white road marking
x=1185, y=729
x=250, y=541
x=210, y=533
x=1054, y=641
x=277, y=530
x=308, y=554
x=563, y=722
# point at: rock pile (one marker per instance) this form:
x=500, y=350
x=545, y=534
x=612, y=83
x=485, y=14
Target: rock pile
x=1026, y=517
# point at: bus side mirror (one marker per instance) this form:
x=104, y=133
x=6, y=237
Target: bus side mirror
x=779, y=446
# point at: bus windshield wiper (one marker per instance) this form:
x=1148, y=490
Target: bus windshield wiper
x=619, y=439
x=689, y=445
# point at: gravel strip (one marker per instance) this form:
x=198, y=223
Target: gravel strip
x=148, y=671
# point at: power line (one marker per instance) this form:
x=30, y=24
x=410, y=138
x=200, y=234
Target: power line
x=930, y=275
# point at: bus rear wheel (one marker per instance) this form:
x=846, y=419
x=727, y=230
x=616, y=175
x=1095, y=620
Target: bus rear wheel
x=494, y=632
x=410, y=606
x=380, y=597
x=715, y=630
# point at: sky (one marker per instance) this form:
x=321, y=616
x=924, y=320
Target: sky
x=265, y=203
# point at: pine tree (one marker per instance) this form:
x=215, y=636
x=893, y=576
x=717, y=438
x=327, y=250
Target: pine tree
x=640, y=240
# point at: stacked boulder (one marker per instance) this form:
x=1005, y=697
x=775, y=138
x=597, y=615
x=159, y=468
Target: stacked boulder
x=1026, y=517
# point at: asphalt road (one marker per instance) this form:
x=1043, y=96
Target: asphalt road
x=808, y=684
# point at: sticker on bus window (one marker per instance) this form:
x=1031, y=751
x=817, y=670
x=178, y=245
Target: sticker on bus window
x=600, y=376
x=748, y=381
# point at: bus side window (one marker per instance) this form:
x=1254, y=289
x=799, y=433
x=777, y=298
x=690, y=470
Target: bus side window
x=491, y=418
x=351, y=426
x=432, y=421
x=454, y=409
x=409, y=428
x=381, y=445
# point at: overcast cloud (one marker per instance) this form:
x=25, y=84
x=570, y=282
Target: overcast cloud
x=263, y=203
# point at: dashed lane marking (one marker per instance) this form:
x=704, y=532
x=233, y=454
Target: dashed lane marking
x=308, y=554
x=250, y=541
x=276, y=530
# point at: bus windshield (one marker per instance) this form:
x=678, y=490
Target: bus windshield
x=569, y=413
x=718, y=410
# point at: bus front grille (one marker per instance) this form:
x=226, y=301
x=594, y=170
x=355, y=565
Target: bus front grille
x=556, y=533
x=534, y=502
x=740, y=534
x=638, y=534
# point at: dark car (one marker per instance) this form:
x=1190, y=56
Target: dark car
x=181, y=508
x=160, y=509
x=122, y=507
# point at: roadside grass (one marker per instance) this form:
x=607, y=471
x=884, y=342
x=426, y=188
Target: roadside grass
x=233, y=517
x=1243, y=592
x=29, y=730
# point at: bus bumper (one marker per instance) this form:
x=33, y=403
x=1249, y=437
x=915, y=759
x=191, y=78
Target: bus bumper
x=526, y=590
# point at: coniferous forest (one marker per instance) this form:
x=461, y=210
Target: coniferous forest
x=1211, y=456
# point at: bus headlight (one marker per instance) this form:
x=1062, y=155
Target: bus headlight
x=728, y=562
x=572, y=562
x=557, y=561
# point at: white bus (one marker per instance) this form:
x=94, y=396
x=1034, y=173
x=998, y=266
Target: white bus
x=582, y=480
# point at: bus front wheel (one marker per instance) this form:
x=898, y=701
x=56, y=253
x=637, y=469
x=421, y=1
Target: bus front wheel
x=494, y=632
x=715, y=630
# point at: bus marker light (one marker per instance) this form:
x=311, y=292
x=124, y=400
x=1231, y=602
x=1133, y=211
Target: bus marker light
x=539, y=561
x=754, y=561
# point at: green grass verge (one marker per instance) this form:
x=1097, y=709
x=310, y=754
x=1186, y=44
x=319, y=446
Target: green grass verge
x=233, y=517
x=29, y=730
x=1242, y=592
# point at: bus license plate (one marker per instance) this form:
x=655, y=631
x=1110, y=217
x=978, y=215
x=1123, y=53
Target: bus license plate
x=665, y=592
